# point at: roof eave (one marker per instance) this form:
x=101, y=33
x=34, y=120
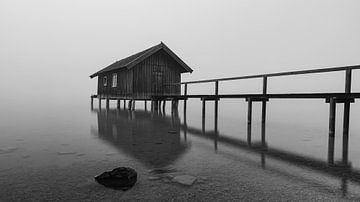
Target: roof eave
x=93, y=75
x=173, y=55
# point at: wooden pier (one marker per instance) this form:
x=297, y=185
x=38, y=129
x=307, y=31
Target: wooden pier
x=345, y=98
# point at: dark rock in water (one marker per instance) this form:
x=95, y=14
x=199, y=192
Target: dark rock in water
x=120, y=178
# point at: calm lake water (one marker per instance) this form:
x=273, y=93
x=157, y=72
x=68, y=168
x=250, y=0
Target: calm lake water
x=52, y=150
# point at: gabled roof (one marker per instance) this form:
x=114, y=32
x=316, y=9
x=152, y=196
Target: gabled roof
x=133, y=60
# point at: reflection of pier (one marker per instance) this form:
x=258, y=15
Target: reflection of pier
x=151, y=138
x=138, y=133
x=341, y=170
x=332, y=98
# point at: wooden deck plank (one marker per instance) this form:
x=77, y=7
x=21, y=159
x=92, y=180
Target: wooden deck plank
x=266, y=96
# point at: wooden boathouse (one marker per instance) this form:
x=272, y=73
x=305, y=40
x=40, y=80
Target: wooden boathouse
x=141, y=76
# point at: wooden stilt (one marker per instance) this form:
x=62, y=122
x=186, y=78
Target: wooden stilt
x=185, y=127
x=129, y=104
x=263, y=113
x=124, y=104
x=216, y=131
x=118, y=103
x=331, y=142
x=185, y=105
x=172, y=106
x=216, y=118
x=216, y=105
x=92, y=102
x=133, y=104
x=163, y=107
x=346, y=119
x=145, y=105
x=249, y=121
x=185, y=100
x=107, y=103
x=177, y=107
x=203, y=116
x=99, y=103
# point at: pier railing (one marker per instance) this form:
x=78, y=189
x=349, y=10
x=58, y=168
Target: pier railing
x=332, y=98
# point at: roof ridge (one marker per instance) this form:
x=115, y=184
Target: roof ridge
x=136, y=58
x=142, y=53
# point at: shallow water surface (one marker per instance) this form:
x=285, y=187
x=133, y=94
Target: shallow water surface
x=53, y=153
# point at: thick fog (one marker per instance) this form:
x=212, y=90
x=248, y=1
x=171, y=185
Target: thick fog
x=48, y=49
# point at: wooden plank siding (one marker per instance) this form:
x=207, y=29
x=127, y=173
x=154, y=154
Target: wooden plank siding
x=144, y=79
x=124, y=83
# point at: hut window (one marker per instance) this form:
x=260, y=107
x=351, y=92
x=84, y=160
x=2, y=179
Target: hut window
x=114, y=80
x=105, y=81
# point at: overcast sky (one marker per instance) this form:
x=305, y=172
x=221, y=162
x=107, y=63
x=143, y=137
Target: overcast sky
x=51, y=47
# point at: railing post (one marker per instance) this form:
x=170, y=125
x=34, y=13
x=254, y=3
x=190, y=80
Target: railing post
x=332, y=118
x=263, y=111
x=346, y=118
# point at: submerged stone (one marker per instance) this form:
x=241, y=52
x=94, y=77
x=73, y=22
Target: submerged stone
x=120, y=178
x=154, y=178
x=187, y=180
x=201, y=180
x=7, y=150
x=111, y=154
x=162, y=170
x=66, y=152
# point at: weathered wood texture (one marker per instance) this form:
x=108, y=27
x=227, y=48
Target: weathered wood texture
x=143, y=80
x=151, y=74
x=124, y=83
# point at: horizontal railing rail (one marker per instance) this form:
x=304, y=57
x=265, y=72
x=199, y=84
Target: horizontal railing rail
x=288, y=73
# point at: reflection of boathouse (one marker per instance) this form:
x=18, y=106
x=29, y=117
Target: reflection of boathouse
x=151, y=138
